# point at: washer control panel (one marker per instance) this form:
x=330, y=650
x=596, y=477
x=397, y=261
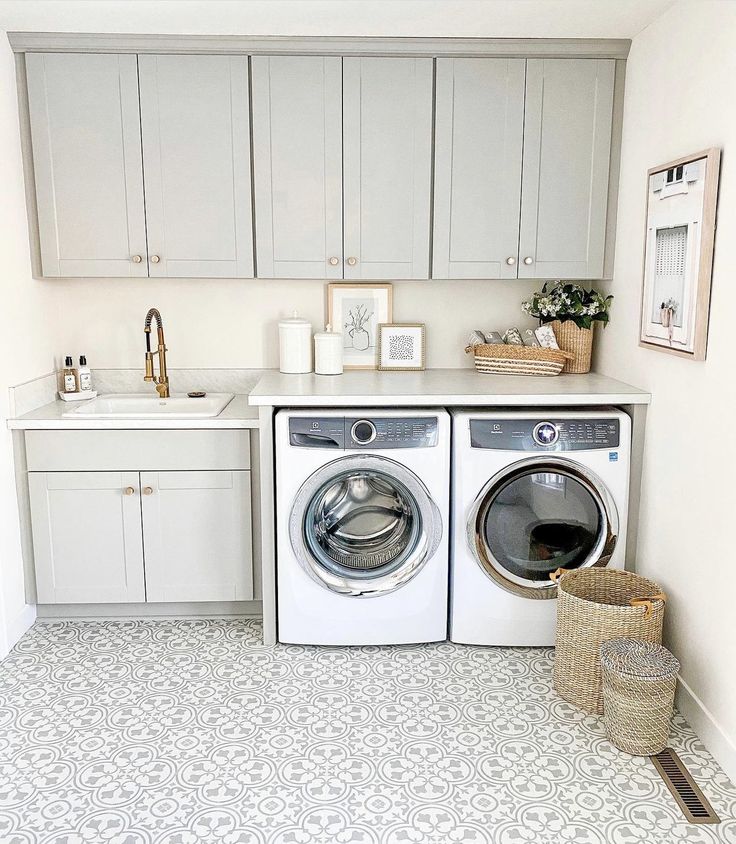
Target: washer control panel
x=579, y=434
x=374, y=433
x=391, y=432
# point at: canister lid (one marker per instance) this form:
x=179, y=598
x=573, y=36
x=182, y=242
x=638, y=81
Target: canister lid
x=294, y=321
x=328, y=334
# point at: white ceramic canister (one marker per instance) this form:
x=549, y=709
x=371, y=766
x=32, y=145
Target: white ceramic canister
x=295, y=345
x=328, y=352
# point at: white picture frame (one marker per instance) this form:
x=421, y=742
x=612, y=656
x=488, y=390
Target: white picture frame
x=401, y=346
x=356, y=310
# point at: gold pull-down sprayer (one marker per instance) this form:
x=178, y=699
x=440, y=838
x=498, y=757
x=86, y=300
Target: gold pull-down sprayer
x=162, y=381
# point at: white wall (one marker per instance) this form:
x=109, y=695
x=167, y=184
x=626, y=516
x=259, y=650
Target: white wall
x=679, y=100
x=25, y=344
x=233, y=323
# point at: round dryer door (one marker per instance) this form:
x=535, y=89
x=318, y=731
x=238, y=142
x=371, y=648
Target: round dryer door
x=364, y=525
x=540, y=515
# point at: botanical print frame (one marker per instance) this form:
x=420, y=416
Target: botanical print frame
x=682, y=197
x=356, y=310
x=401, y=346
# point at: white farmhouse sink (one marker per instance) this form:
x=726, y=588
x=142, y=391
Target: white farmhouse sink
x=147, y=406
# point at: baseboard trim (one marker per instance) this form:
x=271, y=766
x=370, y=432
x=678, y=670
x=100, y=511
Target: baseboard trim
x=712, y=734
x=20, y=624
x=100, y=612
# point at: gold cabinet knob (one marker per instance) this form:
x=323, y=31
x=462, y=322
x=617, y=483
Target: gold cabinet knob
x=148, y=490
x=511, y=261
x=334, y=261
x=129, y=490
x=528, y=260
x=352, y=261
x=155, y=259
x=136, y=259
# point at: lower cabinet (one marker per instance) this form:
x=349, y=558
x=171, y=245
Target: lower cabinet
x=197, y=535
x=87, y=537
x=133, y=536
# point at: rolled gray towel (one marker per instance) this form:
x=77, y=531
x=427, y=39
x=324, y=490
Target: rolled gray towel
x=493, y=337
x=475, y=338
x=513, y=337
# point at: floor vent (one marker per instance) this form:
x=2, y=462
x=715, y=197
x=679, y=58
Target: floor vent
x=689, y=797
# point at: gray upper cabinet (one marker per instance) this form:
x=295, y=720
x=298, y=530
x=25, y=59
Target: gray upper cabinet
x=85, y=133
x=479, y=127
x=323, y=166
x=297, y=159
x=387, y=160
x=567, y=143
x=196, y=159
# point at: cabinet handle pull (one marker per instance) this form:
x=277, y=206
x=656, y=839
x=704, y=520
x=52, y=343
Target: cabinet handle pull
x=155, y=259
x=334, y=261
x=511, y=261
x=352, y=261
x=136, y=259
x=148, y=490
x=129, y=490
x=528, y=260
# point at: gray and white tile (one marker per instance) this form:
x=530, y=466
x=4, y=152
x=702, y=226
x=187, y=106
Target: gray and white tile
x=178, y=732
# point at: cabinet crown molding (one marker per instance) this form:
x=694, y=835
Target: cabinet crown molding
x=595, y=48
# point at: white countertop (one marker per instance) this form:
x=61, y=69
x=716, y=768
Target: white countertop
x=455, y=387
x=237, y=414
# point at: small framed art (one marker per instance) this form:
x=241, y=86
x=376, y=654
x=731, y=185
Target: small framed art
x=356, y=310
x=401, y=345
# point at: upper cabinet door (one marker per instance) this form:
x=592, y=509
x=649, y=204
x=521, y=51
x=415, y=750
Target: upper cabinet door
x=479, y=128
x=387, y=159
x=297, y=159
x=85, y=131
x=196, y=156
x=567, y=143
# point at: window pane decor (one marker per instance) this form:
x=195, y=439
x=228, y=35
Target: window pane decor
x=678, y=257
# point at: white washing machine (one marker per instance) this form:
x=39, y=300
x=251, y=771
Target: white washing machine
x=533, y=491
x=362, y=514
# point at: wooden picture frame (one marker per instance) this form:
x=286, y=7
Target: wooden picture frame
x=416, y=330
x=691, y=225
x=356, y=309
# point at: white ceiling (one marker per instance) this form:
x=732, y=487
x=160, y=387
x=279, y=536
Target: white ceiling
x=459, y=18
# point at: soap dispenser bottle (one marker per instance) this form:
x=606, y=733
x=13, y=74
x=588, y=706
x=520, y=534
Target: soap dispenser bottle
x=85, y=375
x=70, y=376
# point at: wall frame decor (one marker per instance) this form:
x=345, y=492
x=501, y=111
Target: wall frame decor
x=401, y=346
x=682, y=198
x=357, y=310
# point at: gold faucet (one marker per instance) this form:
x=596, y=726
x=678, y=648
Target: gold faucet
x=162, y=382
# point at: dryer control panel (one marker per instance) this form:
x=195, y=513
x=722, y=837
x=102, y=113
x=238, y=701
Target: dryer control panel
x=372, y=433
x=579, y=434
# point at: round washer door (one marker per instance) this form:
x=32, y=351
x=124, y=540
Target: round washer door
x=539, y=515
x=364, y=525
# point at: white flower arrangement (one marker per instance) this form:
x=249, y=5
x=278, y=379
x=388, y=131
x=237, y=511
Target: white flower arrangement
x=561, y=301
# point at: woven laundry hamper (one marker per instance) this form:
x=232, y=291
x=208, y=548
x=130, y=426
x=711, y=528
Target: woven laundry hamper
x=639, y=680
x=593, y=606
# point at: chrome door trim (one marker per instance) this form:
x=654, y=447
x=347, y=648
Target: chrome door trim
x=430, y=529
x=599, y=556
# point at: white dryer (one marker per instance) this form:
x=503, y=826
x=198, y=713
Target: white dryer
x=362, y=513
x=533, y=491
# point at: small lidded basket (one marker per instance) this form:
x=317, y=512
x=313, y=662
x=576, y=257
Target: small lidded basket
x=639, y=680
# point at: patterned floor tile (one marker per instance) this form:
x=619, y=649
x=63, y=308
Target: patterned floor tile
x=180, y=732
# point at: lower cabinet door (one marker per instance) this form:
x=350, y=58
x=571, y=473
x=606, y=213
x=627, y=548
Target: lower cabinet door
x=87, y=537
x=197, y=536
